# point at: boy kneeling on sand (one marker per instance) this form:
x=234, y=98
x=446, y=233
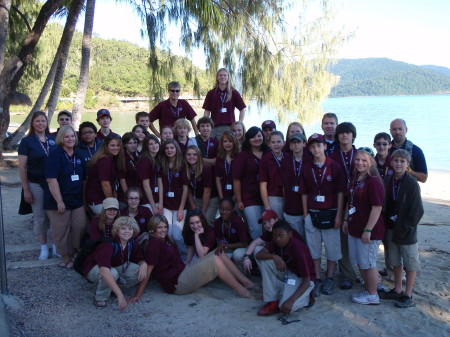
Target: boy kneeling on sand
x=289, y=280
x=403, y=212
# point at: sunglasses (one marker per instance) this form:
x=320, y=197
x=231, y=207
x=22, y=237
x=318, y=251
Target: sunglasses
x=367, y=150
x=174, y=90
x=62, y=119
x=381, y=144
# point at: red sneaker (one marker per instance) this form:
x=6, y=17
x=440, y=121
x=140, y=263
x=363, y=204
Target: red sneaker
x=269, y=309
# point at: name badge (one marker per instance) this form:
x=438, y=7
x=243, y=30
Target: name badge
x=320, y=198
x=393, y=218
x=228, y=187
x=290, y=281
x=156, y=189
x=351, y=210
x=223, y=110
x=75, y=177
x=295, y=189
x=170, y=194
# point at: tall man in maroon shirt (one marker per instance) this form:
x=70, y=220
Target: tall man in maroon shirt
x=168, y=111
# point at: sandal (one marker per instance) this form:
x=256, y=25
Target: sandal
x=100, y=304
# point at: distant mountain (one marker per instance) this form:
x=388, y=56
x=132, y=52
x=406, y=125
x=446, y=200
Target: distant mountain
x=386, y=77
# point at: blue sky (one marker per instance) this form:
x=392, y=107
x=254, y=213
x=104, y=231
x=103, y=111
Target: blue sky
x=413, y=31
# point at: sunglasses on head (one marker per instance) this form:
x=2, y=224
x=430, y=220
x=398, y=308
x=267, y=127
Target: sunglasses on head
x=367, y=150
x=230, y=133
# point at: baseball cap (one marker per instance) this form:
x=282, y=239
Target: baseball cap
x=65, y=112
x=299, y=136
x=268, y=215
x=103, y=112
x=268, y=124
x=110, y=203
x=316, y=138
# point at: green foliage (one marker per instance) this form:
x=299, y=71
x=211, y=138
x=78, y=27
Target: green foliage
x=117, y=68
x=279, y=63
x=385, y=77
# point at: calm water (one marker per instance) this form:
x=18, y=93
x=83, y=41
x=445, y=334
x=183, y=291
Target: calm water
x=427, y=119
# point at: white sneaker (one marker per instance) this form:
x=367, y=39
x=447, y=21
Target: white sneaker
x=367, y=299
x=359, y=294
x=44, y=253
x=54, y=252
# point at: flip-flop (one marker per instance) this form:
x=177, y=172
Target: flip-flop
x=100, y=304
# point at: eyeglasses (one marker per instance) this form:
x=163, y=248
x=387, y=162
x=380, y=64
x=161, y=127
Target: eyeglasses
x=174, y=90
x=381, y=144
x=87, y=132
x=134, y=199
x=367, y=150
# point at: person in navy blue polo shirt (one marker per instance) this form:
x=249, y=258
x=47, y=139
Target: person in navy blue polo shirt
x=329, y=124
x=63, y=199
x=33, y=152
x=418, y=166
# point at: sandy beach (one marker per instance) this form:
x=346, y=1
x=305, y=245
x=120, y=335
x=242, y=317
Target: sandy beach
x=46, y=300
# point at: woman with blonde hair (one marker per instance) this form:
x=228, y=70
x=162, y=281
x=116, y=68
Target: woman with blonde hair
x=239, y=131
x=221, y=102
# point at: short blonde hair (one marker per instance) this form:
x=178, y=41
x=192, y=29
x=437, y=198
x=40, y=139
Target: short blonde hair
x=125, y=221
x=62, y=131
x=180, y=123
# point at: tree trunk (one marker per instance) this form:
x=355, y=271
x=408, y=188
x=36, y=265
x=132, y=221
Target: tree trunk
x=9, y=83
x=5, y=6
x=83, y=81
x=66, y=41
x=12, y=141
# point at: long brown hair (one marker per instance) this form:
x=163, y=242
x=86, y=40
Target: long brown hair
x=145, y=153
x=222, y=153
x=297, y=124
x=178, y=165
x=153, y=226
x=198, y=166
x=36, y=114
x=104, y=152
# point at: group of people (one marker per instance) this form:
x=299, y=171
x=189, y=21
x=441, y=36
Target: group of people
x=226, y=202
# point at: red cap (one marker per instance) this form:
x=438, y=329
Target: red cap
x=268, y=124
x=316, y=138
x=268, y=215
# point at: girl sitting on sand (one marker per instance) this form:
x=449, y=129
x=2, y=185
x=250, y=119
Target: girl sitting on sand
x=166, y=266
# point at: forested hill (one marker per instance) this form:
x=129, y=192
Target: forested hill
x=385, y=77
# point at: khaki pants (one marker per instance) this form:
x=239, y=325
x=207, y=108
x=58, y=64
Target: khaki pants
x=197, y=274
x=275, y=288
x=67, y=229
x=218, y=131
x=128, y=275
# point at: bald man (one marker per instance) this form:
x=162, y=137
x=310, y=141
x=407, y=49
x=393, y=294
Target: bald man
x=418, y=166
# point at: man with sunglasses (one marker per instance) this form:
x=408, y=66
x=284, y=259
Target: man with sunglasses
x=418, y=166
x=168, y=111
x=64, y=119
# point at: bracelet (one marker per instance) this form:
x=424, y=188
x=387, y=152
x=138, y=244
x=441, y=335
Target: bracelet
x=246, y=256
x=367, y=230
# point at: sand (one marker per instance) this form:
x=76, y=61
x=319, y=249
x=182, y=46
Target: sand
x=46, y=300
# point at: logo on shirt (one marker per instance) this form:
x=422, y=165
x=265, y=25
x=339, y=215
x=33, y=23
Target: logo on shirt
x=176, y=175
x=329, y=178
x=211, y=144
x=51, y=142
x=233, y=230
x=141, y=220
x=389, y=172
x=78, y=161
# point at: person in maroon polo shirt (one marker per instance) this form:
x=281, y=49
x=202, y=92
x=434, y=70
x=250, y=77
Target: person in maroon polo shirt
x=101, y=225
x=239, y=131
x=104, y=119
x=269, y=178
x=129, y=177
x=245, y=178
x=267, y=128
x=208, y=145
x=294, y=127
x=292, y=168
x=105, y=268
x=168, y=111
x=148, y=173
x=344, y=154
x=202, y=194
x=382, y=143
x=322, y=186
x=181, y=131
x=176, y=277
x=289, y=280
x=228, y=151
x=221, y=102
x=364, y=224
x=141, y=214
x=198, y=236
x=103, y=176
